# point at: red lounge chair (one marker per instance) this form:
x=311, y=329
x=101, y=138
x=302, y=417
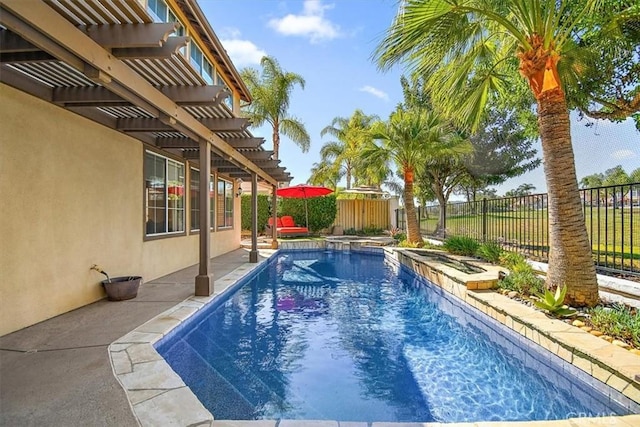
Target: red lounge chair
x=286, y=227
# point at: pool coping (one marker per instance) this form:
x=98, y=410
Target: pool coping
x=158, y=396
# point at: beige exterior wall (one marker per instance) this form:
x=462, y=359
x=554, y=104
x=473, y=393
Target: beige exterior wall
x=72, y=196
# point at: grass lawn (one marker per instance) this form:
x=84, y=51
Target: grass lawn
x=615, y=233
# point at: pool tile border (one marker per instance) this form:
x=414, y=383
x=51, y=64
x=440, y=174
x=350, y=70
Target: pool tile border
x=158, y=396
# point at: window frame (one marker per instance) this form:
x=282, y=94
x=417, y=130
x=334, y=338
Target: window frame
x=212, y=200
x=166, y=197
x=228, y=212
x=154, y=14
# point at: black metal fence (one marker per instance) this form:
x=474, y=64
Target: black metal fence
x=612, y=217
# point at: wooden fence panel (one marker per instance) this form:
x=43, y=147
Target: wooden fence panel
x=363, y=213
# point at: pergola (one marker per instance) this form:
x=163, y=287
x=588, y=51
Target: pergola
x=107, y=60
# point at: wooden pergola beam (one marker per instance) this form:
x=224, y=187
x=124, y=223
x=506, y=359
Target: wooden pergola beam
x=170, y=47
x=126, y=41
x=12, y=43
x=175, y=142
x=126, y=36
x=158, y=125
x=99, y=96
x=257, y=156
x=239, y=143
x=36, y=56
x=204, y=96
x=270, y=165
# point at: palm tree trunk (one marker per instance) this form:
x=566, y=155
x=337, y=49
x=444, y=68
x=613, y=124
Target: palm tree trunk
x=413, y=228
x=570, y=261
x=275, y=136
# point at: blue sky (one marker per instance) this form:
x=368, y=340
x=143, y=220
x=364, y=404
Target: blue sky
x=330, y=44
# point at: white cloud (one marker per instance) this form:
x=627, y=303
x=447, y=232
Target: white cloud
x=243, y=52
x=310, y=23
x=623, y=154
x=375, y=92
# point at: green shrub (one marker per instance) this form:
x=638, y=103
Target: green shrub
x=372, y=231
x=523, y=282
x=554, y=303
x=322, y=211
x=408, y=244
x=461, y=245
x=490, y=251
x=516, y=263
x=513, y=260
x=264, y=208
x=619, y=321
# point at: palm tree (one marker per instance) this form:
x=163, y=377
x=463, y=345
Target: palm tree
x=271, y=92
x=352, y=134
x=324, y=173
x=470, y=49
x=407, y=139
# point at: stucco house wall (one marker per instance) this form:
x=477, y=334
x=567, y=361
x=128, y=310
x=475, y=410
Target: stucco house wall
x=72, y=196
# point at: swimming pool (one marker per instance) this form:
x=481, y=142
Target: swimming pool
x=329, y=335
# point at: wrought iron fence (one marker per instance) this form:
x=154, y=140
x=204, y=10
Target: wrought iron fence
x=612, y=218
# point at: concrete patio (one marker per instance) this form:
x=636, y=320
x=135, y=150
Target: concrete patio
x=57, y=372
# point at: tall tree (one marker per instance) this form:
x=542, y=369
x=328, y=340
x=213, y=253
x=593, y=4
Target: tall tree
x=502, y=149
x=406, y=140
x=271, y=92
x=324, y=173
x=443, y=174
x=522, y=190
x=351, y=134
x=472, y=48
x=616, y=176
x=592, y=181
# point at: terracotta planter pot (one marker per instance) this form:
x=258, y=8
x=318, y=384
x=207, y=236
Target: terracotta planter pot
x=122, y=288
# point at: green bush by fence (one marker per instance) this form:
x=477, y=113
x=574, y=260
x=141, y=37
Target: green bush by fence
x=322, y=211
x=264, y=205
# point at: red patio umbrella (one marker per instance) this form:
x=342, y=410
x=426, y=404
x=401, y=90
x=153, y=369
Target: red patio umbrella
x=303, y=191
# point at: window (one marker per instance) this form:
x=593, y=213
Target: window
x=207, y=72
x=194, y=198
x=194, y=186
x=180, y=31
x=196, y=57
x=225, y=204
x=158, y=10
x=201, y=64
x=164, y=194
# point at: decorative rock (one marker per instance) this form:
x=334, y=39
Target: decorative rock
x=512, y=294
x=620, y=344
x=578, y=323
x=596, y=333
x=586, y=328
x=606, y=338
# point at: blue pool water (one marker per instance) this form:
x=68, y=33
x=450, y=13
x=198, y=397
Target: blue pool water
x=329, y=335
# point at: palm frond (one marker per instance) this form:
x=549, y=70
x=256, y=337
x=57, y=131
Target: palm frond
x=294, y=129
